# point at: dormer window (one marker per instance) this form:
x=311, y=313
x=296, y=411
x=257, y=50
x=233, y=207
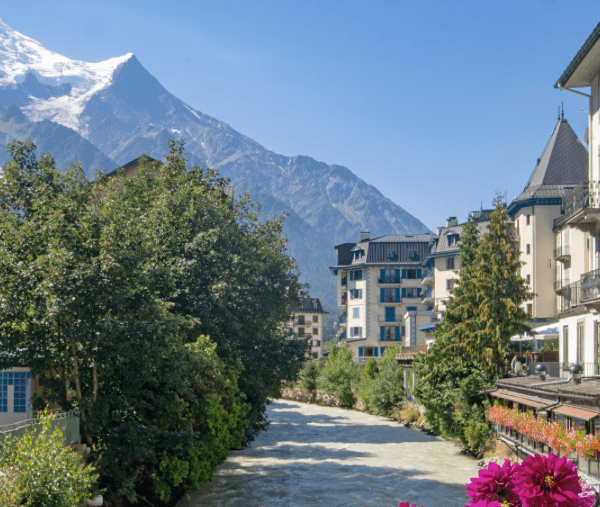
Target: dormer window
x=358, y=254
x=452, y=239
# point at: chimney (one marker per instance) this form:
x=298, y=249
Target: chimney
x=452, y=221
x=365, y=236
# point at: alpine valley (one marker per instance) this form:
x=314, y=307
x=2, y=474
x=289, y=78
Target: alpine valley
x=108, y=113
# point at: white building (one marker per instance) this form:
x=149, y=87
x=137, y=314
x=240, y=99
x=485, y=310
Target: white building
x=578, y=228
x=307, y=324
x=380, y=293
x=16, y=390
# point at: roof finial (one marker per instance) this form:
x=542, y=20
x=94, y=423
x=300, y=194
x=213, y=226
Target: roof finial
x=562, y=105
x=558, y=119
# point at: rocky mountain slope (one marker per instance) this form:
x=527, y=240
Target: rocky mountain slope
x=124, y=111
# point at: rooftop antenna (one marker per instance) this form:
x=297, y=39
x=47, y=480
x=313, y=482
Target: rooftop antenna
x=559, y=114
x=563, y=110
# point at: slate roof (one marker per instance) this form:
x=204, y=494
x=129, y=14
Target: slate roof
x=587, y=388
x=377, y=250
x=578, y=58
x=306, y=306
x=442, y=242
x=563, y=164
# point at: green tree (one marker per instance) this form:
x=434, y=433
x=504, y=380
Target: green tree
x=310, y=376
x=105, y=285
x=341, y=374
x=387, y=391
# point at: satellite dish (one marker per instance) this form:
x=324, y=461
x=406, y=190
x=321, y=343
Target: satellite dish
x=516, y=365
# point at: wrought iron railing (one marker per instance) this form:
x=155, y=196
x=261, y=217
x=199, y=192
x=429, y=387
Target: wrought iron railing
x=390, y=279
x=590, y=285
x=571, y=295
x=562, y=251
x=584, y=195
x=560, y=284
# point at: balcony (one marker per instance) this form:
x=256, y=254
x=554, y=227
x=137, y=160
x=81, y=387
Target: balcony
x=428, y=278
x=344, y=281
x=581, y=207
x=389, y=280
x=386, y=300
x=382, y=319
x=343, y=319
x=590, y=288
x=427, y=297
x=570, y=297
x=560, y=285
x=562, y=253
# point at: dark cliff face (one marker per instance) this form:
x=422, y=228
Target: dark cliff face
x=135, y=114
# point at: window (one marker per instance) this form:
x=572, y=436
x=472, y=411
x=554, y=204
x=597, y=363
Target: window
x=387, y=334
x=450, y=263
x=356, y=275
x=529, y=310
x=315, y=319
x=452, y=239
x=527, y=219
x=300, y=320
x=565, y=344
x=528, y=279
x=528, y=249
x=369, y=351
x=356, y=293
x=580, y=342
x=450, y=284
x=315, y=305
x=300, y=331
x=389, y=276
x=315, y=330
x=356, y=313
x=411, y=274
x=358, y=254
x=412, y=292
x=356, y=332
x=390, y=296
x=315, y=355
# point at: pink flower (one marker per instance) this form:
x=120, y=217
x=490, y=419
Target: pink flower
x=550, y=481
x=494, y=484
x=405, y=504
x=485, y=503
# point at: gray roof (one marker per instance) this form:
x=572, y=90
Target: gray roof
x=306, y=306
x=443, y=233
x=563, y=164
x=563, y=80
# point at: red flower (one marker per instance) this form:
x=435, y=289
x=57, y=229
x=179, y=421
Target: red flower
x=494, y=484
x=550, y=481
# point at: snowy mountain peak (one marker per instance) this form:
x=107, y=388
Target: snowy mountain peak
x=66, y=85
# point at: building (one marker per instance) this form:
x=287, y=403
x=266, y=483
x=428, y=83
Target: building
x=546, y=255
x=16, y=389
x=307, y=324
x=577, y=229
x=380, y=292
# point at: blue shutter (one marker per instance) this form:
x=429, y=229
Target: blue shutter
x=397, y=294
x=381, y=350
x=382, y=274
x=403, y=274
x=397, y=275
x=382, y=333
x=351, y=275
x=375, y=351
x=351, y=293
x=382, y=295
x=360, y=332
x=419, y=274
x=403, y=292
x=359, y=273
x=360, y=351
x=397, y=333
x=411, y=308
x=351, y=334
x=419, y=293
x=359, y=293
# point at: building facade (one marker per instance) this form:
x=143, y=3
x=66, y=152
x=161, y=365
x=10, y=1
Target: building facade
x=380, y=292
x=307, y=324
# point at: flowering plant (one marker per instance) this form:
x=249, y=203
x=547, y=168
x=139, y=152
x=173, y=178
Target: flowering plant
x=551, y=433
x=539, y=481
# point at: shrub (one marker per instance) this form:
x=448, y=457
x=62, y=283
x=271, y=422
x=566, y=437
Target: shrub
x=309, y=376
x=340, y=374
x=367, y=382
x=387, y=390
x=410, y=414
x=39, y=472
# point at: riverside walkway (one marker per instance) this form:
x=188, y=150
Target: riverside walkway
x=330, y=457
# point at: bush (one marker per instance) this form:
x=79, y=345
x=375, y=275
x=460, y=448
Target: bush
x=387, y=390
x=309, y=375
x=367, y=382
x=39, y=472
x=409, y=414
x=340, y=374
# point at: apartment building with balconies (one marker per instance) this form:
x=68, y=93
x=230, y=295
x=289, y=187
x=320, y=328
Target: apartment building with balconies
x=380, y=292
x=577, y=229
x=306, y=324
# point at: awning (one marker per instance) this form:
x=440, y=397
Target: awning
x=578, y=413
x=428, y=327
x=547, y=332
x=519, y=399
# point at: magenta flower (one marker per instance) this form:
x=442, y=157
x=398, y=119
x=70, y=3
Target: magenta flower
x=494, y=484
x=550, y=482
x=485, y=503
x=405, y=504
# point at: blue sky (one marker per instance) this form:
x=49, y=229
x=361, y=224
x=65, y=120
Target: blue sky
x=438, y=104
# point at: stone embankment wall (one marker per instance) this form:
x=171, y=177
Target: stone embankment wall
x=319, y=397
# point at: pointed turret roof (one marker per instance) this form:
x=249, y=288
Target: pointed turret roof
x=563, y=164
